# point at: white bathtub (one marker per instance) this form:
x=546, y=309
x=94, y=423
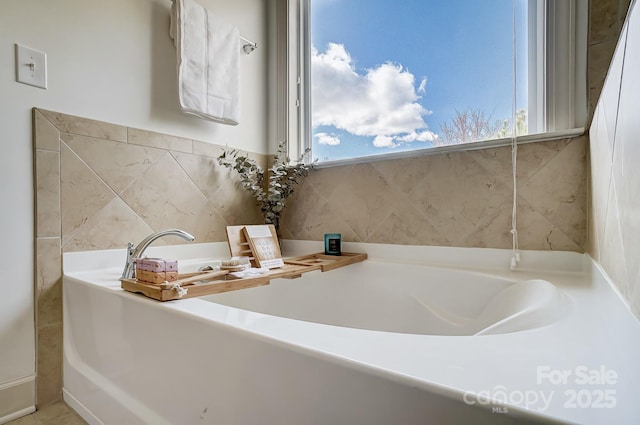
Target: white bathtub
x=388, y=341
x=407, y=298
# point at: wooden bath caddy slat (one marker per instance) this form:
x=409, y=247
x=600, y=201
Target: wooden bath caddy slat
x=215, y=282
x=291, y=271
x=238, y=244
x=327, y=262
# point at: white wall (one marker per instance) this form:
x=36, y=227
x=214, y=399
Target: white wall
x=615, y=175
x=111, y=61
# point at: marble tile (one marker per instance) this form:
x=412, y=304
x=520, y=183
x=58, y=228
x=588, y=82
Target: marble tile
x=165, y=197
x=313, y=216
x=327, y=180
x=47, y=193
x=49, y=365
x=408, y=227
x=614, y=172
x=207, y=149
x=46, y=135
x=118, y=164
x=465, y=196
x=600, y=167
x=452, y=224
x=603, y=20
x=600, y=56
x=204, y=171
x=404, y=174
x=492, y=232
x=613, y=256
x=82, y=192
x=365, y=202
x=113, y=226
x=48, y=281
x=305, y=204
x=611, y=88
x=534, y=231
x=158, y=140
x=531, y=158
x=537, y=232
x=85, y=127
x=609, y=124
x=234, y=203
x=457, y=193
x=558, y=191
x=627, y=152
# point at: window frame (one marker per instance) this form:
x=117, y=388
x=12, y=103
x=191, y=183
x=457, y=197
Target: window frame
x=566, y=54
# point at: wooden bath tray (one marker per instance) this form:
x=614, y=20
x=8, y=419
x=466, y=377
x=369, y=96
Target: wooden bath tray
x=215, y=282
x=196, y=284
x=291, y=271
x=327, y=262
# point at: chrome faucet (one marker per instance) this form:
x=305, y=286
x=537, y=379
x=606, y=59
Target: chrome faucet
x=133, y=253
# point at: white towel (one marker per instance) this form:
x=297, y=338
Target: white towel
x=208, y=63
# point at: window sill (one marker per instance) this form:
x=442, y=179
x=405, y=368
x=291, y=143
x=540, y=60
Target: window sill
x=488, y=144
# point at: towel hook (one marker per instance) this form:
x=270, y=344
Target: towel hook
x=250, y=46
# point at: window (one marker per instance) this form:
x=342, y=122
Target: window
x=388, y=77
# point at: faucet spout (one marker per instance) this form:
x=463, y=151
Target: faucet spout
x=136, y=252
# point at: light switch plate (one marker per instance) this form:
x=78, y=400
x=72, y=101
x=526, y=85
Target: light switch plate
x=31, y=67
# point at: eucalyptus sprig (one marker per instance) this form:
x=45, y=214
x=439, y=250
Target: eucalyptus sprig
x=282, y=177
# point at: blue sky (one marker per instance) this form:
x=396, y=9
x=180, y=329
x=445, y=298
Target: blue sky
x=438, y=43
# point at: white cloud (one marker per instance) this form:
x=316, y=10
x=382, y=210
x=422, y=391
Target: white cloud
x=383, y=103
x=384, y=142
x=327, y=139
x=422, y=136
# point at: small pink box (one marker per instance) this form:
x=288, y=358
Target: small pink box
x=156, y=265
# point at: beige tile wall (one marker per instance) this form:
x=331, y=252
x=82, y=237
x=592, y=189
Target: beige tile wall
x=614, y=219
x=99, y=186
x=606, y=18
x=454, y=199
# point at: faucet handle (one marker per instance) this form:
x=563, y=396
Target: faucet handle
x=129, y=264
